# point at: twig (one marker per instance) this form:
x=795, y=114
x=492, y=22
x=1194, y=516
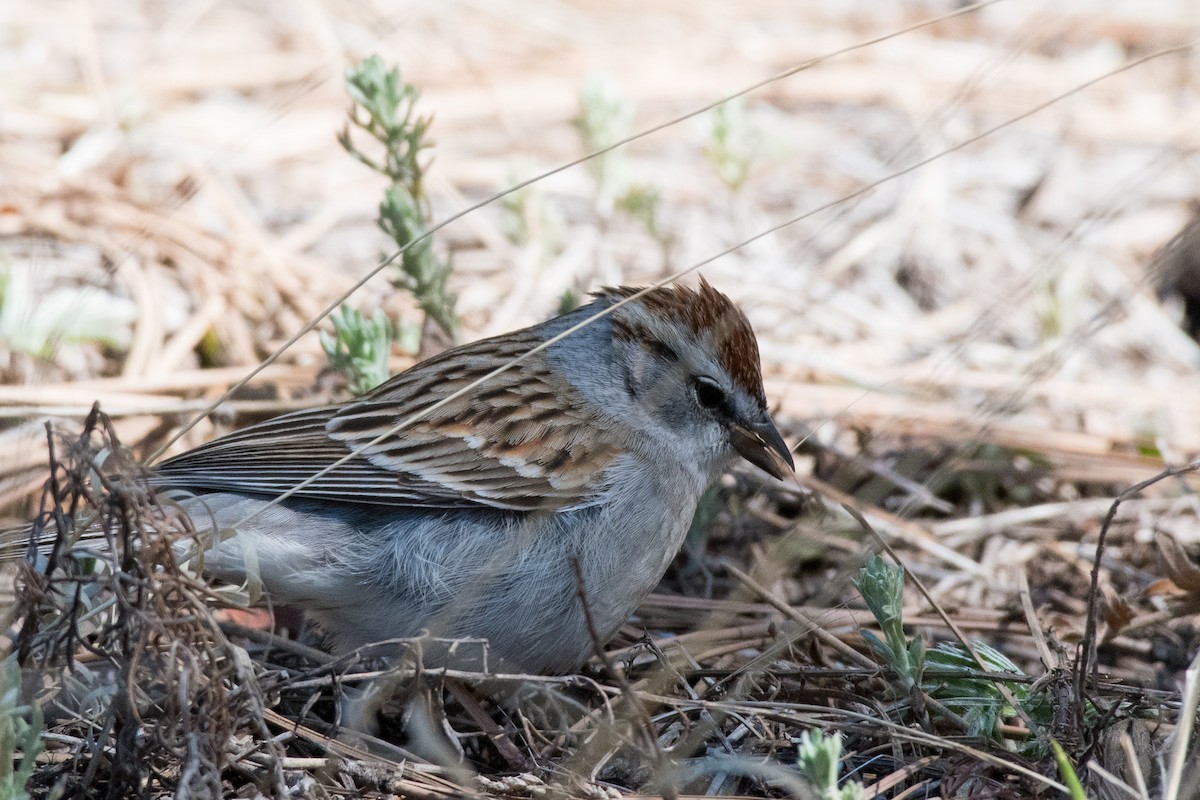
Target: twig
x=642, y=717
x=807, y=624
x=1049, y=661
x=1087, y=646
x=497, y=735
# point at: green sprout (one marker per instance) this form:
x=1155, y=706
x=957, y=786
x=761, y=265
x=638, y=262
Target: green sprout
x=733, y=143
x=882, y=587
x=20, y=732
x=421, y=272
x=359, y=348
x=37, y=322
x=820, y=757
x=1067, y=771
x=568, y=301
x=385, y=110
x=952, y=679
x=527, y=218
x=644, y=203
x=604, y=119
x=947, y=673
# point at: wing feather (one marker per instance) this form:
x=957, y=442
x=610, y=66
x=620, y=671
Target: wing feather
x=525, y=440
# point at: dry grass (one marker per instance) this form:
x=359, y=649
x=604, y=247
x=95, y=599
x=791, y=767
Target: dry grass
x=970, y=348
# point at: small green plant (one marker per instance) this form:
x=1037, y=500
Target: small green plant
x=359, y=348
x=526, y=217
x=820, y=759
x=20, y=732
x=951, y=677
x=732, y=143
x=568, y=302
x=37, y=322
x=1067, y=771
x=384, y=110
x=604, y=118
x=644, y=204
x=948, y=672
x=882, y=588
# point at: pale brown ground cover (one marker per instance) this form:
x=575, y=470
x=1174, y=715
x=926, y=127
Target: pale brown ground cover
x=973, y=348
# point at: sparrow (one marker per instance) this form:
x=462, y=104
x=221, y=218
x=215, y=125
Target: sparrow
x=535, y=510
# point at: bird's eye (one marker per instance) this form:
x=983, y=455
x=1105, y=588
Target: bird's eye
x=708, y=393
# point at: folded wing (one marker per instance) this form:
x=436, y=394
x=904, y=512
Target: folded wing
x=523, y=440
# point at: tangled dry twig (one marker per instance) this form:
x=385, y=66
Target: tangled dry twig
x=119, y=635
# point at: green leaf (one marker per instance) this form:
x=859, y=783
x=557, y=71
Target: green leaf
x=1067, y=771
x=359, y=348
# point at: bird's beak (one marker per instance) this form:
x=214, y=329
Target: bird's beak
x=760, y=443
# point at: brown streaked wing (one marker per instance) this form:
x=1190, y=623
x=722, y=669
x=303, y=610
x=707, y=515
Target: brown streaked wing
x=525, y=433
x=521, y=441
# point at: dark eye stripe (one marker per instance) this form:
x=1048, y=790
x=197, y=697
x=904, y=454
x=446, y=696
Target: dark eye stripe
x=661, y=350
